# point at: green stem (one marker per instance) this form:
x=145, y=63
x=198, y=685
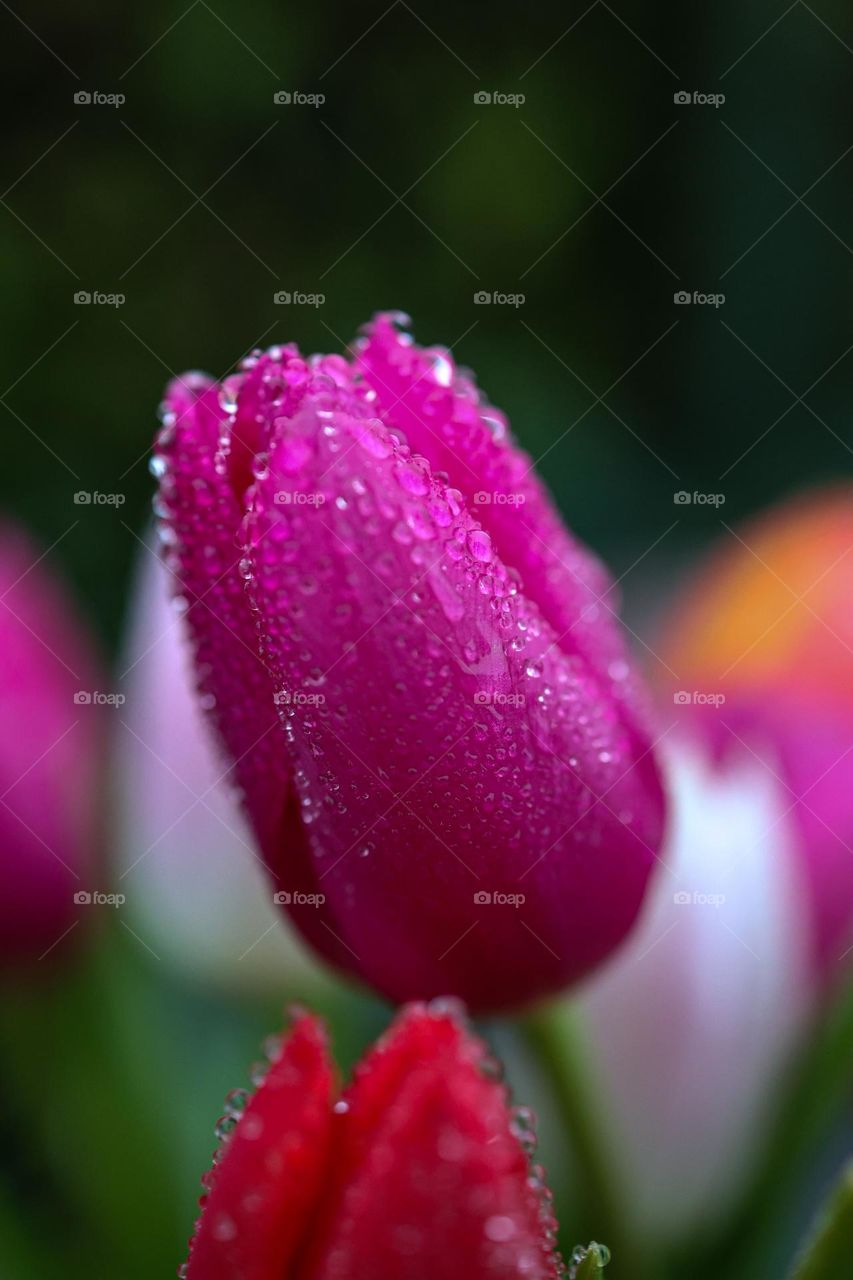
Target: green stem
x=828, y=1253
x=552, y=1031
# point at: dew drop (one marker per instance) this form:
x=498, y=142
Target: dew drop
x=235, y=1102
x=225, y=1228
x=499, y=1228
x=224, y=1126
x=480, y=545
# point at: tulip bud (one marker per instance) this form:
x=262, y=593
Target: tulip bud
x=414, y=669
x=50, y=709
x=419, y=1169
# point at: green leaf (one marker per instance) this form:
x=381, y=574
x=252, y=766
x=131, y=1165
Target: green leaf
x=828, y=1253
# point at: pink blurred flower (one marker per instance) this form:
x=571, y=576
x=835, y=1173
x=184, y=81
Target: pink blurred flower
x=768, y=624
x=694, y=1024
x=49, y=738
x=414, y=668
x=691, y=1026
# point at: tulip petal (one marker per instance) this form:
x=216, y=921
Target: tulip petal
x=270, y=1171
x=200, y=515
x=443, y=416
x=430, y=1178
x=200, y=506
x=445, y=744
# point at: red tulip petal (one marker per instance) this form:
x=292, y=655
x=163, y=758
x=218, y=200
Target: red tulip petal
x=429, y=1178
x=269, y=1174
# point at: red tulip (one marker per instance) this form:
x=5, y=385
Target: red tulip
x=414, y=669
x=418, y=1170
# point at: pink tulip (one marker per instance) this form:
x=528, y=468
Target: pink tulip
x=693, y=1025
x=414, y=668
x=768, y=625
x=48, y=756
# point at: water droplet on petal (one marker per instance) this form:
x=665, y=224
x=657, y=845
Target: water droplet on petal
x=480, y=545
x=499, y=1228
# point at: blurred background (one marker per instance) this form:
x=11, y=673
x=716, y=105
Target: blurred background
x=526, y=182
